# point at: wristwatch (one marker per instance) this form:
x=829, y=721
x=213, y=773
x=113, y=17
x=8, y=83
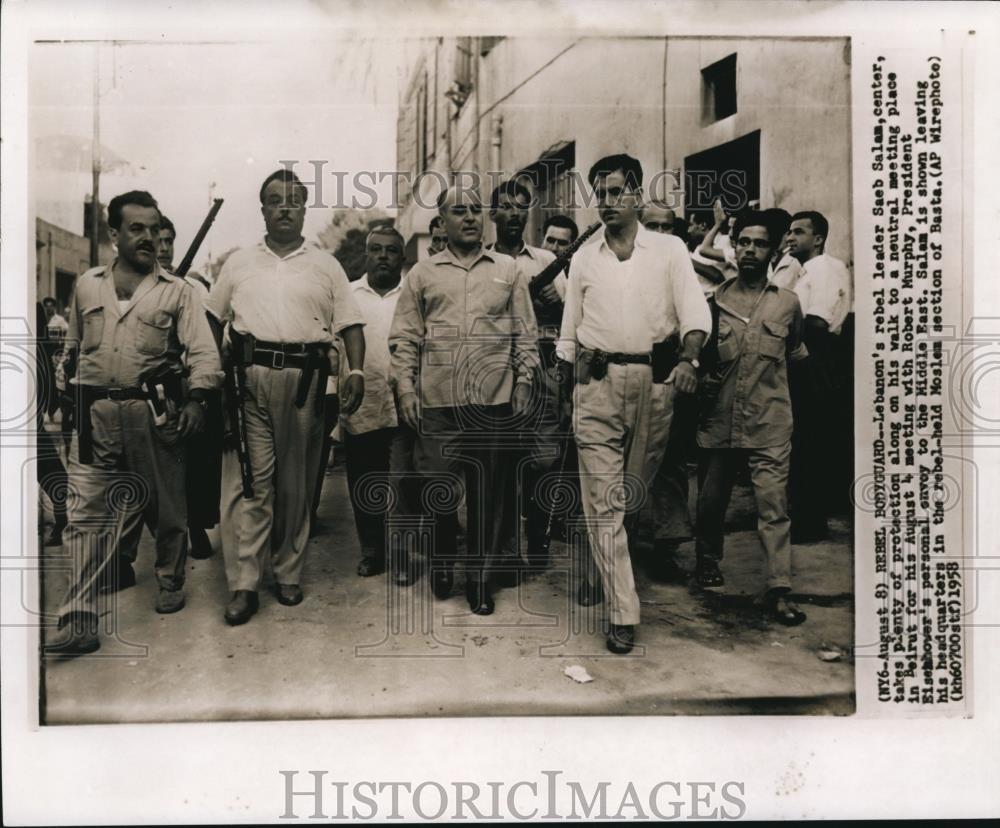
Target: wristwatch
x=694, y=362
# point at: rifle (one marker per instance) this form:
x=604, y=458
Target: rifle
x=235, y=390
x=199, y=237
x=548, y=274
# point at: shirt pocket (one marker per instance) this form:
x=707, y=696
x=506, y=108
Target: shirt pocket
x=772, y=340
x=93, y=329
x=728, y=344
x=152, y=334
x=496, y=295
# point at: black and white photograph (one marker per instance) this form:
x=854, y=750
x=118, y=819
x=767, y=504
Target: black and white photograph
x=460, y=395
x=577, y=410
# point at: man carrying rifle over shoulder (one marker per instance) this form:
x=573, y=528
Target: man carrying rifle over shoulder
x=132, y=321
x=285, y=300
x=509, y=205
x=634, y=324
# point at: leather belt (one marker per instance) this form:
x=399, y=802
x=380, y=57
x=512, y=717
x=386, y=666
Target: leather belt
x=628, y=359
x=279, y=359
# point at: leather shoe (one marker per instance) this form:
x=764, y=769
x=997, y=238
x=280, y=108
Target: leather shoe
x=441, y=582
x=169, y=600
x=79, y=636
x=242, y=607
x=709, y=575
x=115, y=579
x=621, y=638
x=371, y=565
x=289, y=594
x=201, y=547
x=589, y=594
x=479, y=596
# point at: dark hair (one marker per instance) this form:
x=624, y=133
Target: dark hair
x=700, y=217
x=138, y=197
x=437, y=221
x=755, y=218
x=282, y=175
x=48, y=299
x=562, y=221
x=629, y=166
x=782, y=218
x=681, y=228
x=512, y=188
x=821, y=227
x=167, y=224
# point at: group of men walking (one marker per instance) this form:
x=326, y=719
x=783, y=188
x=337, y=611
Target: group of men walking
x=469, y=380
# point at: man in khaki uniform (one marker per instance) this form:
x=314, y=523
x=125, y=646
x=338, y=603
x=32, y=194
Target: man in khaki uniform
x=631, y=296
x=133, y=321
x=285, y=301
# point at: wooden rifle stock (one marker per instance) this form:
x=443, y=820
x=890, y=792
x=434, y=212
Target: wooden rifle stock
x=188, y=259
x=547, y=275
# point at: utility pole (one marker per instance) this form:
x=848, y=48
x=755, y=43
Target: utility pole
x=95, y=163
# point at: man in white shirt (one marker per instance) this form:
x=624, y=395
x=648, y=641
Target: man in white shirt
x=630, y=291
x=285, y=301
x=826, y=295
x=376, y=444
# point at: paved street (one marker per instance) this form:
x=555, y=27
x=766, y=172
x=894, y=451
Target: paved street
x=354, y=649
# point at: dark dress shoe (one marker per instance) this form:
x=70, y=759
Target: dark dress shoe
x=621, y=638
x=479, y=596
x=242, y=607
x=201, y=547
x=371, y=565
x=441, y=582
x=589, y=594
x=289, y=594
x=79, y=636
x=664, y=570
x=708, y=575
x=115, y=579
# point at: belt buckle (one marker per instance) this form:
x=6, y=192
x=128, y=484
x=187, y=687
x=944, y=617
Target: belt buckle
x=278, y=360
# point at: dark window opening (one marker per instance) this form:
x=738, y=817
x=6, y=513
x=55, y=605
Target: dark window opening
x=730, y=171
x=719, y=89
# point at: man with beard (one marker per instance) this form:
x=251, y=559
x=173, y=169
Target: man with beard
x=757, y=334
x=464, y=353
x=133, y=321
x=376, y=444
x=509, y=205
x=632, y=296
x=285, y=301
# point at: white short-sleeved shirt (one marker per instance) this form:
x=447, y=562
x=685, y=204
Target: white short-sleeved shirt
x=786, y=273
x=378, y=408
x=825, y=290
x=626, y=307
x=301, y=297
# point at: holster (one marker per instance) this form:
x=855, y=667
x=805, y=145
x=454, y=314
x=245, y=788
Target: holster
x=664, y=358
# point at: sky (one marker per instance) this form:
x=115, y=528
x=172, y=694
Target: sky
x=182, y=116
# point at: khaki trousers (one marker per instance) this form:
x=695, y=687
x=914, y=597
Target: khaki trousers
x=137, y=476
x=622, y=423
x=285, y=444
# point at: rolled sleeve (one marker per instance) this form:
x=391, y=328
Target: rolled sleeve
x=689, y=299
x=220, y=298
x=566, y=346
x=345, y=307
x=405, y=337
x=796, y=348
x=196, y=337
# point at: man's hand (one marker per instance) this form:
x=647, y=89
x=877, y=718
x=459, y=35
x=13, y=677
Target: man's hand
x=352, y=392
x=409, y=410
x=521, y=398
x=191, y=420
x=718, y=212
x=549, y=295
x=685, y=378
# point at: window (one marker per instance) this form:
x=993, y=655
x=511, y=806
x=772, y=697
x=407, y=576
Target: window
x=551, y=177
x=718, y=83
x=461, y=87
